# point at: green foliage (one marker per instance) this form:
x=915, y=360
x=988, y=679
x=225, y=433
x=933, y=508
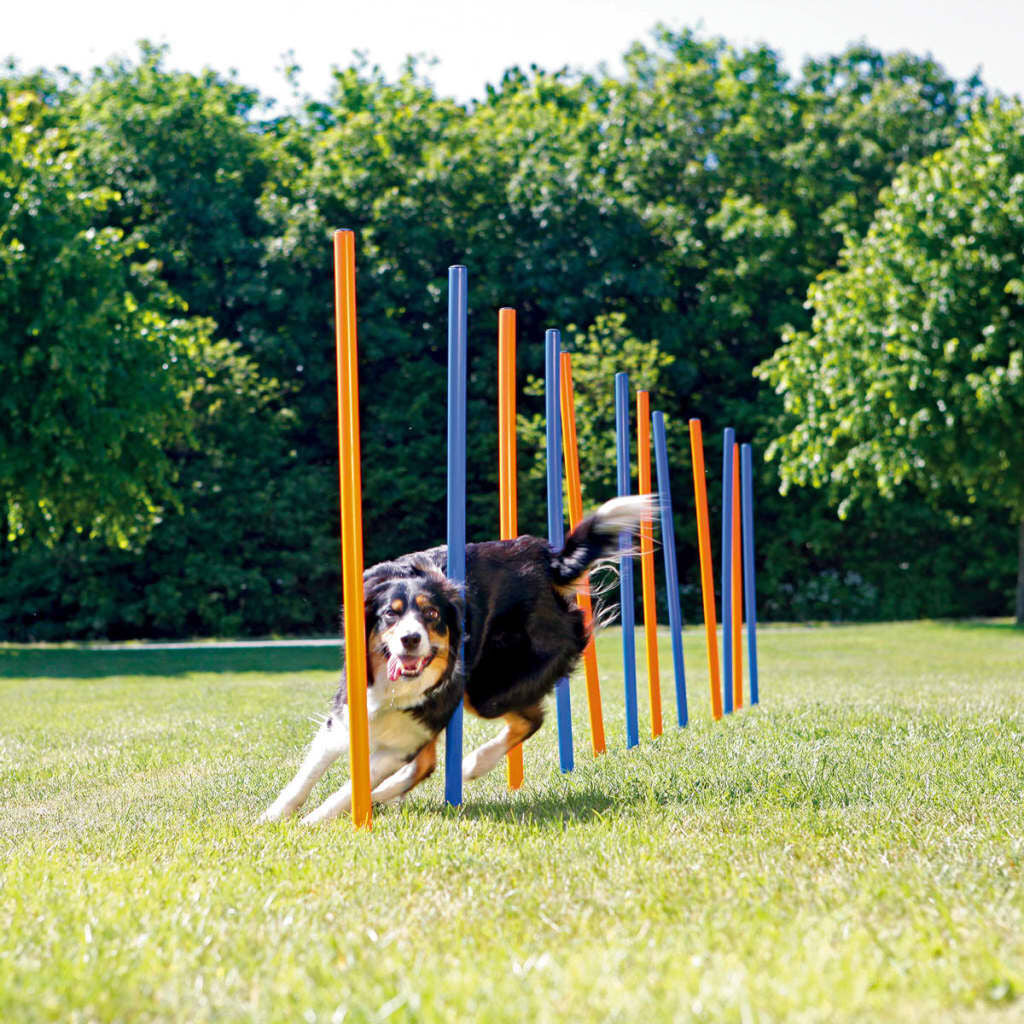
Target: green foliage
x=913, y=370
x=95, y=350
x=188, y=163
x=240, y=555
x=693, y=198
x=605, y=348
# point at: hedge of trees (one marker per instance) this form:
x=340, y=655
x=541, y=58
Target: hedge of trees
x=168, y=441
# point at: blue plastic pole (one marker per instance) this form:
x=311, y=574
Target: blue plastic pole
x=668, y=545
x=457, y=315
x=749, y=592
x=556, y=524
x=728, y=442
x=626, y=567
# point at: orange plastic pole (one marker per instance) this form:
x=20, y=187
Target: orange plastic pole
x=707, y=586
x=643, y=457
x=737, y=585
x=351, y=523
x=507, y=491
x=575, y=495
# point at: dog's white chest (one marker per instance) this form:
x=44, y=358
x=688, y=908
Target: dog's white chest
x=396, y=730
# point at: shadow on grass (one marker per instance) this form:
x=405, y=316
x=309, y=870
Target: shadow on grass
x=93, y=663
x=544, y=808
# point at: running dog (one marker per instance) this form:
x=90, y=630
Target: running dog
x=522, y=631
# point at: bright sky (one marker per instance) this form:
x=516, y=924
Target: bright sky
x=475, y=42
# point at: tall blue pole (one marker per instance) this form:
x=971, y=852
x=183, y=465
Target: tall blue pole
x=668, y=545
x=556, y=524
x=626, y=566
x=457, y=330
x=749, y=588
x=728, y=441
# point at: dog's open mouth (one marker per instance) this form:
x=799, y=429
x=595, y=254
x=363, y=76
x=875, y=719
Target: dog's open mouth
x=407, y=665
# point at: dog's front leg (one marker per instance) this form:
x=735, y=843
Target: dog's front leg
x=382, y=764
x=406, y=778
x=519, y=726
x=328, y=745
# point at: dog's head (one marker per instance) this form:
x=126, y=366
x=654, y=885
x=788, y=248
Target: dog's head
x=413, y=626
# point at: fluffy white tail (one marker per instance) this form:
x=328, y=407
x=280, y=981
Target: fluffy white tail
x=597, y=536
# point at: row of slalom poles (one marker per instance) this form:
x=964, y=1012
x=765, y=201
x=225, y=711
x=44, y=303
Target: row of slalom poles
x=350, y=481
x=738, y=577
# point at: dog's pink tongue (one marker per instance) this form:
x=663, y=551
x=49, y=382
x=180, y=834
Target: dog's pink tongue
x=394, y=667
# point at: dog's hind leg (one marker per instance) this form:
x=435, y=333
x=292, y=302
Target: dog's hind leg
x=519, y=726
x=330, y=742
x=382, y=764
x=406, y=778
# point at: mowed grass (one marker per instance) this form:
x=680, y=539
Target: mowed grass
x=850, y=850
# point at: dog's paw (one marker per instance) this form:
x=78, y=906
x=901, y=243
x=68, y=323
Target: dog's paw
x=471, y=767
x=274, y=813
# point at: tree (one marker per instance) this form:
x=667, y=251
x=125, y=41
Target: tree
x=188, y=162
x=94, y=349
x=605, y=348
x=913, y=369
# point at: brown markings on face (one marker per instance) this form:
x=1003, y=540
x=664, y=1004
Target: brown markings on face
x=427, y=611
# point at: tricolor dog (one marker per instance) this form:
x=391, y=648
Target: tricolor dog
x=523, y=632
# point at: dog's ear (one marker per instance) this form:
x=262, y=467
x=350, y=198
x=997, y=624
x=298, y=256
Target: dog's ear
x=375, y=578
x=380, y=572
x=374, y=585
x=456, y=610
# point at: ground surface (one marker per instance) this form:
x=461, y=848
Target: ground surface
x=851, y=850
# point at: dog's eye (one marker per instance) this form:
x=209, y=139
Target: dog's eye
x=389, y=615
x=431, y=614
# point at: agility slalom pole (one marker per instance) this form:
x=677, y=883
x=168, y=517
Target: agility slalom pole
x=457, y=329
x=350, y=478
x=668, y=545
x=556, y=524
x=749, y=589
x=643, y=461
x=707, y=585
x=575, y=496
x=622, y=463
x=737, y=584
x=728, y=443
x=507, y=492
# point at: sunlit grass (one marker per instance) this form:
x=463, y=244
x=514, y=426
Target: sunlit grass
x=852, y=849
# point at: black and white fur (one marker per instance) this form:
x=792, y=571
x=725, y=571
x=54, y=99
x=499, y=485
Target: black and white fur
x=523, y=632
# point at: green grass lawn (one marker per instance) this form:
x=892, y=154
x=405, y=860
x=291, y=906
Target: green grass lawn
x=850, y=850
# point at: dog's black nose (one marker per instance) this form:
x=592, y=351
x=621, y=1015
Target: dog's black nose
x=410, y=640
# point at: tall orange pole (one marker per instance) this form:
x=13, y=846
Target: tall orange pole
x=575, y=496
x=507, y=491
x=737, y=585
x=643, y=456
x=707, y=585
x=351, y=522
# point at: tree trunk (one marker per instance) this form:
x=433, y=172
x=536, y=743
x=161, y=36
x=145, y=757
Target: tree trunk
x=1020, y=572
